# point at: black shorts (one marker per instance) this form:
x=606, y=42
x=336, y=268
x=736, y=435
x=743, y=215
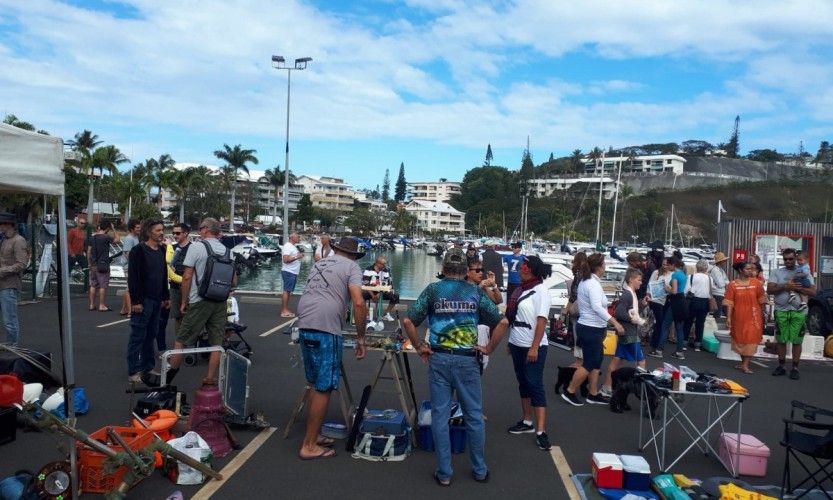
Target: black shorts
x=391, y=297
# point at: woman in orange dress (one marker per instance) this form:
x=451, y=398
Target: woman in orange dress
x=743, y=300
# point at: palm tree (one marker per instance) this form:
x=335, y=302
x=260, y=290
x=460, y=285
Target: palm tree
x=274, y=178
x=575, y=160
x=158, y=169
x=106, y=158
x=85, y=142
x=13, y=121
x=180, y=182
x=236, y=159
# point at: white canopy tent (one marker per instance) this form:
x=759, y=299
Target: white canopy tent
x=33, y=163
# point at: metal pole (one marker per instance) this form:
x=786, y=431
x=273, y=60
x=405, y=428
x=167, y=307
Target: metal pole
x=286, y=164
x=130, y=199
x=65, y=312
x=616, y=204
x=599, y=212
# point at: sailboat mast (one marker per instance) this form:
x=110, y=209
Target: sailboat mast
x=616, y=203
x=599, y=211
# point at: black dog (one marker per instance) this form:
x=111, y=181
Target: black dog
x=565, y=375
x=627, y=381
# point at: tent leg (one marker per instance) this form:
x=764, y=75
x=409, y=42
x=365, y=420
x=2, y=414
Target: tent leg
x=65, y=323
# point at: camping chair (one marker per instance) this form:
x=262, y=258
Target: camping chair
x=816, y=447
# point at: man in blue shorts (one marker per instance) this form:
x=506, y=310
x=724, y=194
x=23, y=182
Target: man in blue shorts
x=454, y=308
x=291, y=266
x=333, y=281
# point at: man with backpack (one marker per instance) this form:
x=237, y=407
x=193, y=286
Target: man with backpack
x=207, y=280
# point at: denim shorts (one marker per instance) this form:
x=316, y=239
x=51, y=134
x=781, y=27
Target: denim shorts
x=629, y=352
x=322, y=358
x=591, y=340
x=289, y=280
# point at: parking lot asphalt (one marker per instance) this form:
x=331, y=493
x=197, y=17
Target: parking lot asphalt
x=518, y=468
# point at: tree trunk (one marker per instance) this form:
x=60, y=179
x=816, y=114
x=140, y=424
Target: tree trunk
x=182, y=210
x=90, y=202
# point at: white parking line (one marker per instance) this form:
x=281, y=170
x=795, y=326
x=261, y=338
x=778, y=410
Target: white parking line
x=245, y=454
x=565, y=472
x=762, y=365
x=113, y=323
x=273, y=330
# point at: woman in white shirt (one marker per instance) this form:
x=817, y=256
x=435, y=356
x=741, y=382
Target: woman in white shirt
x=527, y=313
x=591, y=331
x=700, y=288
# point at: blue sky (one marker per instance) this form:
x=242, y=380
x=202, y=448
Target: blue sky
x=424, y=82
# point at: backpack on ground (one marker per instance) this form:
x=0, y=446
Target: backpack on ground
x=215, y=283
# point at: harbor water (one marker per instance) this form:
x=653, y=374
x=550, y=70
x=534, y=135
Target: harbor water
x=411, y=271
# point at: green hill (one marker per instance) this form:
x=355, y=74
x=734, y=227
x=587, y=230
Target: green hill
x=696, y=209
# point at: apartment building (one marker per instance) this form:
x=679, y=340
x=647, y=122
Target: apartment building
x=437, y=216
x=542, y=188
x=432, y=191
x=644, y=164
x=327, y=192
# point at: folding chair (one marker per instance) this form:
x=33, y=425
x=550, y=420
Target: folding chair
x=806, y=438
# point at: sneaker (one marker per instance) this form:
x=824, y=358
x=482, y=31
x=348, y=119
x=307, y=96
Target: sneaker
x=794, y=374
x=388, y=317
x=780, y=371
x=697, y=347
x=543, y=441
x=571, y=398
x=598, y=399
x=655, y=353
x=606, y=392
x=521, y=428
x=136, y=378
x=802, y=307
x=678, y=355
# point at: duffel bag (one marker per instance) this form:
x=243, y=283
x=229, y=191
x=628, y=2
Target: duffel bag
x=384, y=447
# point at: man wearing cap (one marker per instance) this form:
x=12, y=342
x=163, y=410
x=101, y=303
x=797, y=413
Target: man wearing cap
x=513, y=268
x=14, y=257
x=333, y=281
x=719, y=281
x=471, y=253
x=454, y=308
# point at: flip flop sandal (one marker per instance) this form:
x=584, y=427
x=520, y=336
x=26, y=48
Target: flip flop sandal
x=287, y=315
x=105, y=310
x=328, y=453
x=326, y=441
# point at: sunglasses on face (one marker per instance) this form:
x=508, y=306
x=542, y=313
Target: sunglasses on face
x=476, y=269
x=789, y=259
x=177, y=233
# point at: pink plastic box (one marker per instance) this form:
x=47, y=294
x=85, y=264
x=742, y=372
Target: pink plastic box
x=754, y=454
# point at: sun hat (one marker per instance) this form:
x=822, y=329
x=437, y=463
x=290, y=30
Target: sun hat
x=348, y=245
x=720, y=257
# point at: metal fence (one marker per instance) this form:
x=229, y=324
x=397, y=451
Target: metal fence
x=741, y=234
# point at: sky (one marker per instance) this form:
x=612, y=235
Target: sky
x=427, y=83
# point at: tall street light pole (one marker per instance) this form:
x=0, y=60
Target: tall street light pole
x=278, y=62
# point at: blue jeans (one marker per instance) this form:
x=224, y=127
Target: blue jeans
x=448, y=373
x=144, y=327
x=8, y=307
x=679, y=329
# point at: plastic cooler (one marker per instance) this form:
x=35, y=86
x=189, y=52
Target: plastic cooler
x=93, y=478
x=637, y=473
x=710, y=343
x=607, y=470
x=754, y=454
x=425, y=439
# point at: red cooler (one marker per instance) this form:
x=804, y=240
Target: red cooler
x=607, y=470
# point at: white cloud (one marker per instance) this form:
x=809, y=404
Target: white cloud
x=204, y=66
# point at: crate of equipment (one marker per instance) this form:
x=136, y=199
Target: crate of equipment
x=93, y=477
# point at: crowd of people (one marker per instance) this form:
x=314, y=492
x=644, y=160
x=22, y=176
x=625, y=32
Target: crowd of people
x=464, y=311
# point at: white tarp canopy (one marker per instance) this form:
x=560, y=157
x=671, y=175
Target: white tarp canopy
x=30, y=162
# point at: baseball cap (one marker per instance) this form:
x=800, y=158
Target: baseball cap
x=454, y=256
x=516, y=244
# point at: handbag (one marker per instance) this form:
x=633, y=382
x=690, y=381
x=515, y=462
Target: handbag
x=712, y=304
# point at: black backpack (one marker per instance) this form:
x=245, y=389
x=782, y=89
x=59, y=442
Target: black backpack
x=215, y=283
